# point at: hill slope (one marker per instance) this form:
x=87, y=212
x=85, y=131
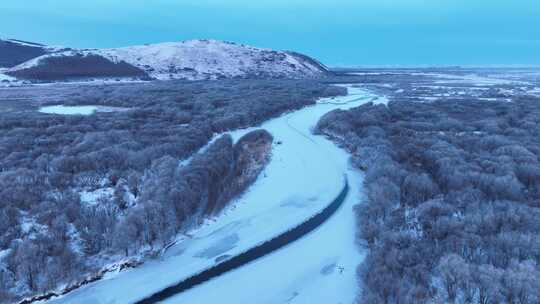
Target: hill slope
x=190, y=60
x=14, y=52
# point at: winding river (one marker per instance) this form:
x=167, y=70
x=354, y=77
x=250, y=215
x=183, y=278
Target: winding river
x=303, y=183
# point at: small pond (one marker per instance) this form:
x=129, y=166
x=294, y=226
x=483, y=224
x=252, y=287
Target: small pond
x=78, y=110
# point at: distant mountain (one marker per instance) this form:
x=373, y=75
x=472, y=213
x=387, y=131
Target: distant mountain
x=190, y=60
x=14, y=52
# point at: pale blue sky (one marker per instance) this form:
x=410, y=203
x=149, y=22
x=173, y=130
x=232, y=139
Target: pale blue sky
x=338, y=32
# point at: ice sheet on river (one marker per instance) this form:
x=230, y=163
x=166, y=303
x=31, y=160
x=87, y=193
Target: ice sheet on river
x=304, y=175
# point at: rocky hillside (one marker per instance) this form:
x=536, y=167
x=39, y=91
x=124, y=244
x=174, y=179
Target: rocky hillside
x=189, y=60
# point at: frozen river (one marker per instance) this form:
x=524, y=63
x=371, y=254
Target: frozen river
x=304, y=176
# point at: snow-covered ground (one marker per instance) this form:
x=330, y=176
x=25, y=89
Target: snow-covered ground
x=305, y=174
x=453, y=78
x=6, y=80
x=203, y=56
x=5, y=77
x=473, y=79
x=319, y=268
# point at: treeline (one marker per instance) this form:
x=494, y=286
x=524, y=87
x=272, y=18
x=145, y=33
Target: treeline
x=77, y=66
x=451, y=212
x=54, y=231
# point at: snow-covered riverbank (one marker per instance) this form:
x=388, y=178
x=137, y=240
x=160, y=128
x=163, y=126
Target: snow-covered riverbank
x=305, y=174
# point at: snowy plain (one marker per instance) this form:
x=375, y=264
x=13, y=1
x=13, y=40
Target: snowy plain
x=444, y=78
x=305, y=174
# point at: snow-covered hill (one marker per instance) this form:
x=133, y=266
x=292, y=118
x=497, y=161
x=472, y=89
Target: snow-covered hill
x=191, y=60
x=14, y=52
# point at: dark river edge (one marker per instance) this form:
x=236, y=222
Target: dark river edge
x=252, y=254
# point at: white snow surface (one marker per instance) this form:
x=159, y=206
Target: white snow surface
x=78, y=110
x=6, y=80
x=5, y=77
x=93, y=197
x=68, y=110
x=305, y=174
x=4, y=253
x=200, y=59
x=473, y=79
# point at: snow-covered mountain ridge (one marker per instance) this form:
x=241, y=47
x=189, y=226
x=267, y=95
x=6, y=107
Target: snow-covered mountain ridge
x=190, y=60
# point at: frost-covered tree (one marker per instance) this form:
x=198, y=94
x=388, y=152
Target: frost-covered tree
x=468, y=193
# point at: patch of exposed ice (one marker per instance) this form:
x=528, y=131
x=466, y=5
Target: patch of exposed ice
x=68, y=110
x=78, y=110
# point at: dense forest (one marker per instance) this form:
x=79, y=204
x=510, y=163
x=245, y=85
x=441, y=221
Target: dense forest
x=81, y=192
x=452, y=205
x=78, y=66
